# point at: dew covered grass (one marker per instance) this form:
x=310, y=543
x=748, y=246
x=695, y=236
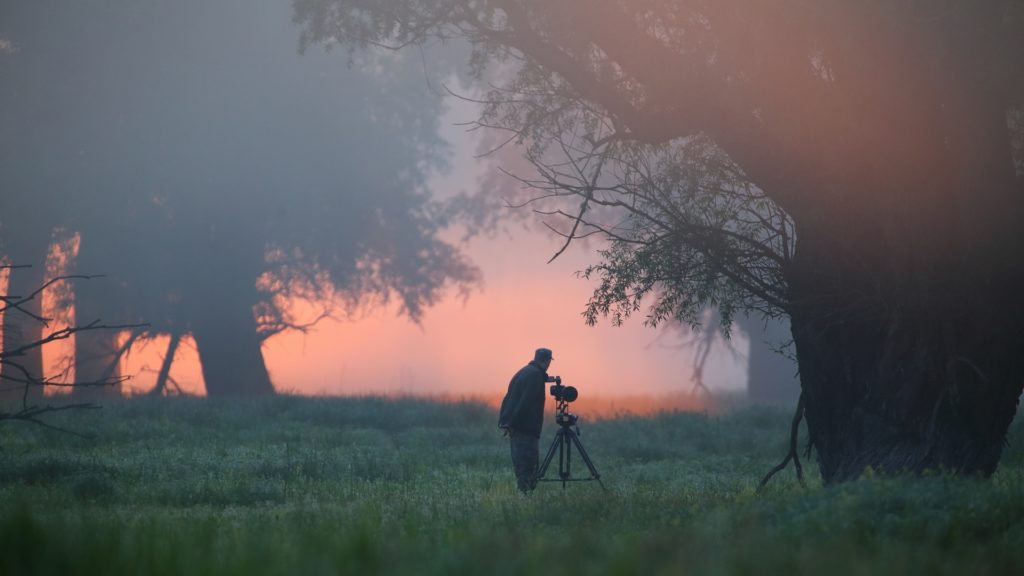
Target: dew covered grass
x=294, y=485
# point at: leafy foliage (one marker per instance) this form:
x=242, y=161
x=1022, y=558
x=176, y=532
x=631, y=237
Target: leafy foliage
x=785, y=110
x=684, y=223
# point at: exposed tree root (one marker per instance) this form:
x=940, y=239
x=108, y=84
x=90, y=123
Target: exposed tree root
x=793, y=454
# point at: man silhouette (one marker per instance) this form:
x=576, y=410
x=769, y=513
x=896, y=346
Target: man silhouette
x=522, y=416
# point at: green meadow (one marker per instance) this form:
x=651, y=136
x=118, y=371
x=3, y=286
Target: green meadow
x=297, y=485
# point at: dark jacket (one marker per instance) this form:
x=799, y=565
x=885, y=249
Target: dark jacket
x=522, y=410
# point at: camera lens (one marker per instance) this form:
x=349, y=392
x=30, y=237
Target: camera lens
x=569, y=393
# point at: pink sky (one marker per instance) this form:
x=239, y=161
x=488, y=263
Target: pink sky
x=472, y=347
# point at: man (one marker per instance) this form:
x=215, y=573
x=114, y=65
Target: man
x=522, y=416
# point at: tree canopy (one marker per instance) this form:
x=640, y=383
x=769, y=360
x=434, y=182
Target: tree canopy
x=218, y=174
x=854, y=166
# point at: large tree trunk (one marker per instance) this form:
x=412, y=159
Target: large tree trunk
x=906, y=284
x=165, y=367
x=21, y=329
x=229, y=345
x=921, y=374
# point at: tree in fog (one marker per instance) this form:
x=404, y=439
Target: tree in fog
x=25, y=230
x=33, y=246
x=21, y=388
x=771, y=368
x=771, y=371
x=218, y=175
x=856, y=167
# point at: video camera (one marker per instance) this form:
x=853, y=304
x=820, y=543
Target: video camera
x=562, y=393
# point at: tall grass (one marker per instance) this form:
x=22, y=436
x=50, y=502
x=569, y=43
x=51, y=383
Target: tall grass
x=293, y=485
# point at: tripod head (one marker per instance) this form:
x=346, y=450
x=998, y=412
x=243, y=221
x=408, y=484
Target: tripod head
x=563, y=417
x=563, y=395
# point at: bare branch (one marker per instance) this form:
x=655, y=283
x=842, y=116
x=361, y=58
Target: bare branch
x=27, y=381
x=65, y=333
x=17, y=301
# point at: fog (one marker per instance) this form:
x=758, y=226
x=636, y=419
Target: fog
x=187, y=151
x=470, y=346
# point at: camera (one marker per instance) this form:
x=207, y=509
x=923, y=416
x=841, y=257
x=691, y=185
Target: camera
x=562, y=393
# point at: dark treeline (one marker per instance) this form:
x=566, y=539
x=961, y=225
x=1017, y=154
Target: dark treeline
x=212, y=172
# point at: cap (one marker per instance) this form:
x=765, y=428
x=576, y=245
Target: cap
x=542, y=354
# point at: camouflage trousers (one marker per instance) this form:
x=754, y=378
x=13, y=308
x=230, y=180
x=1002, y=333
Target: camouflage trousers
x=525, y=460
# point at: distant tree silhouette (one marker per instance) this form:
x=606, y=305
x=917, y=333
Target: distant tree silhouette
x=218, y=175
x=771, y=370
x=19, y=329
x=854, y=166
x=22, y=389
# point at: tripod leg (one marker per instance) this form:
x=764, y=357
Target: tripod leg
x=564, y=453
x=556, y=443
x=587, y=460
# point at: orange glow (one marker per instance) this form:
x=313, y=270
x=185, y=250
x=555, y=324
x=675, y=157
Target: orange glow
x=471, y=349
x=57, y=303
x=461, y=349
x=598, y=407
x=142, y=364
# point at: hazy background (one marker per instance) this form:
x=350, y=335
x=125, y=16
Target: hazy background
x=472, y=346
x=186, y=150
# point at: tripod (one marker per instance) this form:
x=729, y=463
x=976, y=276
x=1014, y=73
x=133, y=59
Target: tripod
x=564, y=440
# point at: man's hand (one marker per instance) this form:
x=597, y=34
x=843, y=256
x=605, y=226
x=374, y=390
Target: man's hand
x=505, y=430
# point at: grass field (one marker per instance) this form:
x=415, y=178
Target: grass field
x=293, y=485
